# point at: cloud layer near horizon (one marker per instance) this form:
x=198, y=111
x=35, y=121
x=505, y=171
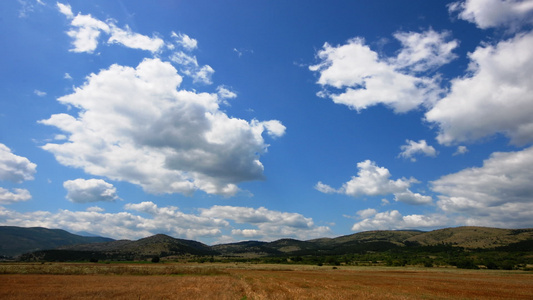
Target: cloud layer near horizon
x=146, y=218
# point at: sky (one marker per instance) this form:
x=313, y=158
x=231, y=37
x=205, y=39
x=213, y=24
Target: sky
x=224, y=121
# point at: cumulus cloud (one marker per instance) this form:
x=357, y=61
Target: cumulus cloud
x=372, y=180
x=147, y=218
x=497, y=194
x=86, y=31
x=495, y=98
x=394, y=220
x=413, y=148
x=17, y=195
x=15, y=168
x=270, y=224
x=91, y=190
x=495, y=13
x=398, y=82
x=135, y=125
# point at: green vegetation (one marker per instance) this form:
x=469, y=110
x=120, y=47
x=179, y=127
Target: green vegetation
x=413, y=255
x=462, y=247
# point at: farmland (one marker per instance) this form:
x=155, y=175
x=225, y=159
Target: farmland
x=255, y=281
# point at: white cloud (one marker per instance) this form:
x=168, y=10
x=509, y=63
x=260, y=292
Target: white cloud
x=190, y=67
x=367, y=213
x=413, y=148
x=134, y=40
x=39, y=93
x=185, y=41
x=203, y=74
x=391, y=220
x=15, y=168
x=121, y=225
x=134, y=125
x=146, y=218
x=461, y=150
x=270, y=224
x=225, y=93
x=498, y=194
x=366, y=79
x=495, y=98
x=247, y=233
x=372, y=180
x=495, y=13
x=86, y=30
x=424, y=51
x=65, y=9
x=91, y=190
x=17, y=195
x=412, y=198
x=95, y=209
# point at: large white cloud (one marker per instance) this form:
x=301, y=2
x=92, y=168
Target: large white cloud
x=498, y=194
x=134, y=125
x=365, y=79
x=91, y=190
x=372, y=180
x=15, y=168
x=495, y=13
x=393, y=219
x=495, y=98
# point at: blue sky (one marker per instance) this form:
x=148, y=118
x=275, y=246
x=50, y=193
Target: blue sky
x=222, y=121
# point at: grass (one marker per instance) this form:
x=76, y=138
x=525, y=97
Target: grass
x=250, y=281
x=106, y=269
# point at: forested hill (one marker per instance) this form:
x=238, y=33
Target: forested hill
x=17, y=240
x=67, y=246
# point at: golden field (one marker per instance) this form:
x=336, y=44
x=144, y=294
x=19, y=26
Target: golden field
x=249, y=281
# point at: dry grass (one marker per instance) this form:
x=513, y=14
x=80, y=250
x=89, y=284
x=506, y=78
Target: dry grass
x=225, y=281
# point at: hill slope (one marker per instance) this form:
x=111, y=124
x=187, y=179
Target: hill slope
x=473, y=237
x=18, y=240
x=158, y=245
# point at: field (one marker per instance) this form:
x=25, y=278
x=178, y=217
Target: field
x=249, y=281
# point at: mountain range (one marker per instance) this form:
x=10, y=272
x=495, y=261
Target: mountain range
x=55, y=244
x=18, y=240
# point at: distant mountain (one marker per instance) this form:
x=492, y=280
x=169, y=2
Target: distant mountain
x=380, y=240
x=473, y=237
x=159, y=245
x=31, y=239
x=18, y=240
